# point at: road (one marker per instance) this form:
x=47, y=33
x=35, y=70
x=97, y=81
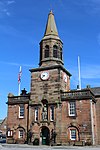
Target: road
x=31, y=147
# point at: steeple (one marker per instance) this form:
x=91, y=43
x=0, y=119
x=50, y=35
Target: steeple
x=51, y=29
x=51, y=45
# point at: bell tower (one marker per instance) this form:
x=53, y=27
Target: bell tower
x=47, y=82
x=51, y=45
x=50, y=77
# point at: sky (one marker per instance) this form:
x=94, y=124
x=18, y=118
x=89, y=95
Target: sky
x=22, y=26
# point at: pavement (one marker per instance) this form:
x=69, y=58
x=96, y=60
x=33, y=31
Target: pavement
x=31, y=147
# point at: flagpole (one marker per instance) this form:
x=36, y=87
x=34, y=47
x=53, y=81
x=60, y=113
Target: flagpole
x=19, y=80
x=18, y=89
x=79, y=74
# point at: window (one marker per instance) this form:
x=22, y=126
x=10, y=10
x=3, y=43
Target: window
x=73, y=134
x=55, y=51
x=61, y=53
x=72, y=109
x=51, y=113
x=46, y=51
x=21, y=111
x=36, y=114
x=9, y=133
x=21, y=133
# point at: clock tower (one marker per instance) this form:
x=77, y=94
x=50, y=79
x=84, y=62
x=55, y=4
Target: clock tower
x=47, y=82
x=51, y=45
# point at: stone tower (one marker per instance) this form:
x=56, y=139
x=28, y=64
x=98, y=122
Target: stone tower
x=47, y=81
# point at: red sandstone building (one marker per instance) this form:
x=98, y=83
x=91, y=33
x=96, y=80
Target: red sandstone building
x=52, y=113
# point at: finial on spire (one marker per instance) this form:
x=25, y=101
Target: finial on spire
x=51, y=28
x=51, y=11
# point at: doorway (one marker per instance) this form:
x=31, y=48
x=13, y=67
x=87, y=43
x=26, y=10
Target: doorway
x=45, y=133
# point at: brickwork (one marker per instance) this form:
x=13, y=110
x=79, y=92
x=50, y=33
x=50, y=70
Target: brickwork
x=82, y=120
x=98, y=119
x=15, y=122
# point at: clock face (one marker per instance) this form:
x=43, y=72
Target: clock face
x=65, y=77
x=44, y=75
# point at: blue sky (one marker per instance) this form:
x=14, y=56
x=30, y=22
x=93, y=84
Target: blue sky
x=22, y=26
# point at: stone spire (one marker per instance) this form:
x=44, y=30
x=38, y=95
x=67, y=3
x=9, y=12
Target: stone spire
x=51, y=45
x=51, y=29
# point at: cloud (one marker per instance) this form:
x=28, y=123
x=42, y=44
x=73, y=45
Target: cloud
x=4, y=8
x=5, y=11
x=10, y=2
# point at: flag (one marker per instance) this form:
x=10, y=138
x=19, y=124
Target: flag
x=19, y=75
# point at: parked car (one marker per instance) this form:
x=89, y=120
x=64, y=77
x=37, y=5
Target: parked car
x=2, y=138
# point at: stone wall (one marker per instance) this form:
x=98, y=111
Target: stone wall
x=98, y=119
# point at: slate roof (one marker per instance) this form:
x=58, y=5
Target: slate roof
x=96, y=91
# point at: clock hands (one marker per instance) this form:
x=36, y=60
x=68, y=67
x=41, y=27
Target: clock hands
x=43, y=75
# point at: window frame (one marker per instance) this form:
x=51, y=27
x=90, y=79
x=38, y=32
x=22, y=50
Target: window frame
x=21, y=110
x=36, y=114
x=55, y=51
x=10, y=133
x=73, y=135
x=61, y=53
x=21, y=134
x=46, y=54
x=72, y=108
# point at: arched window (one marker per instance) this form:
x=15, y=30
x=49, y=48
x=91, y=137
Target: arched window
x=73, y=133
x=55, y=48
x=46, y=55
x=21, y=132
x=61, y=53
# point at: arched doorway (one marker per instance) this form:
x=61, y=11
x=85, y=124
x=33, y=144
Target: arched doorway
x=45, y=135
